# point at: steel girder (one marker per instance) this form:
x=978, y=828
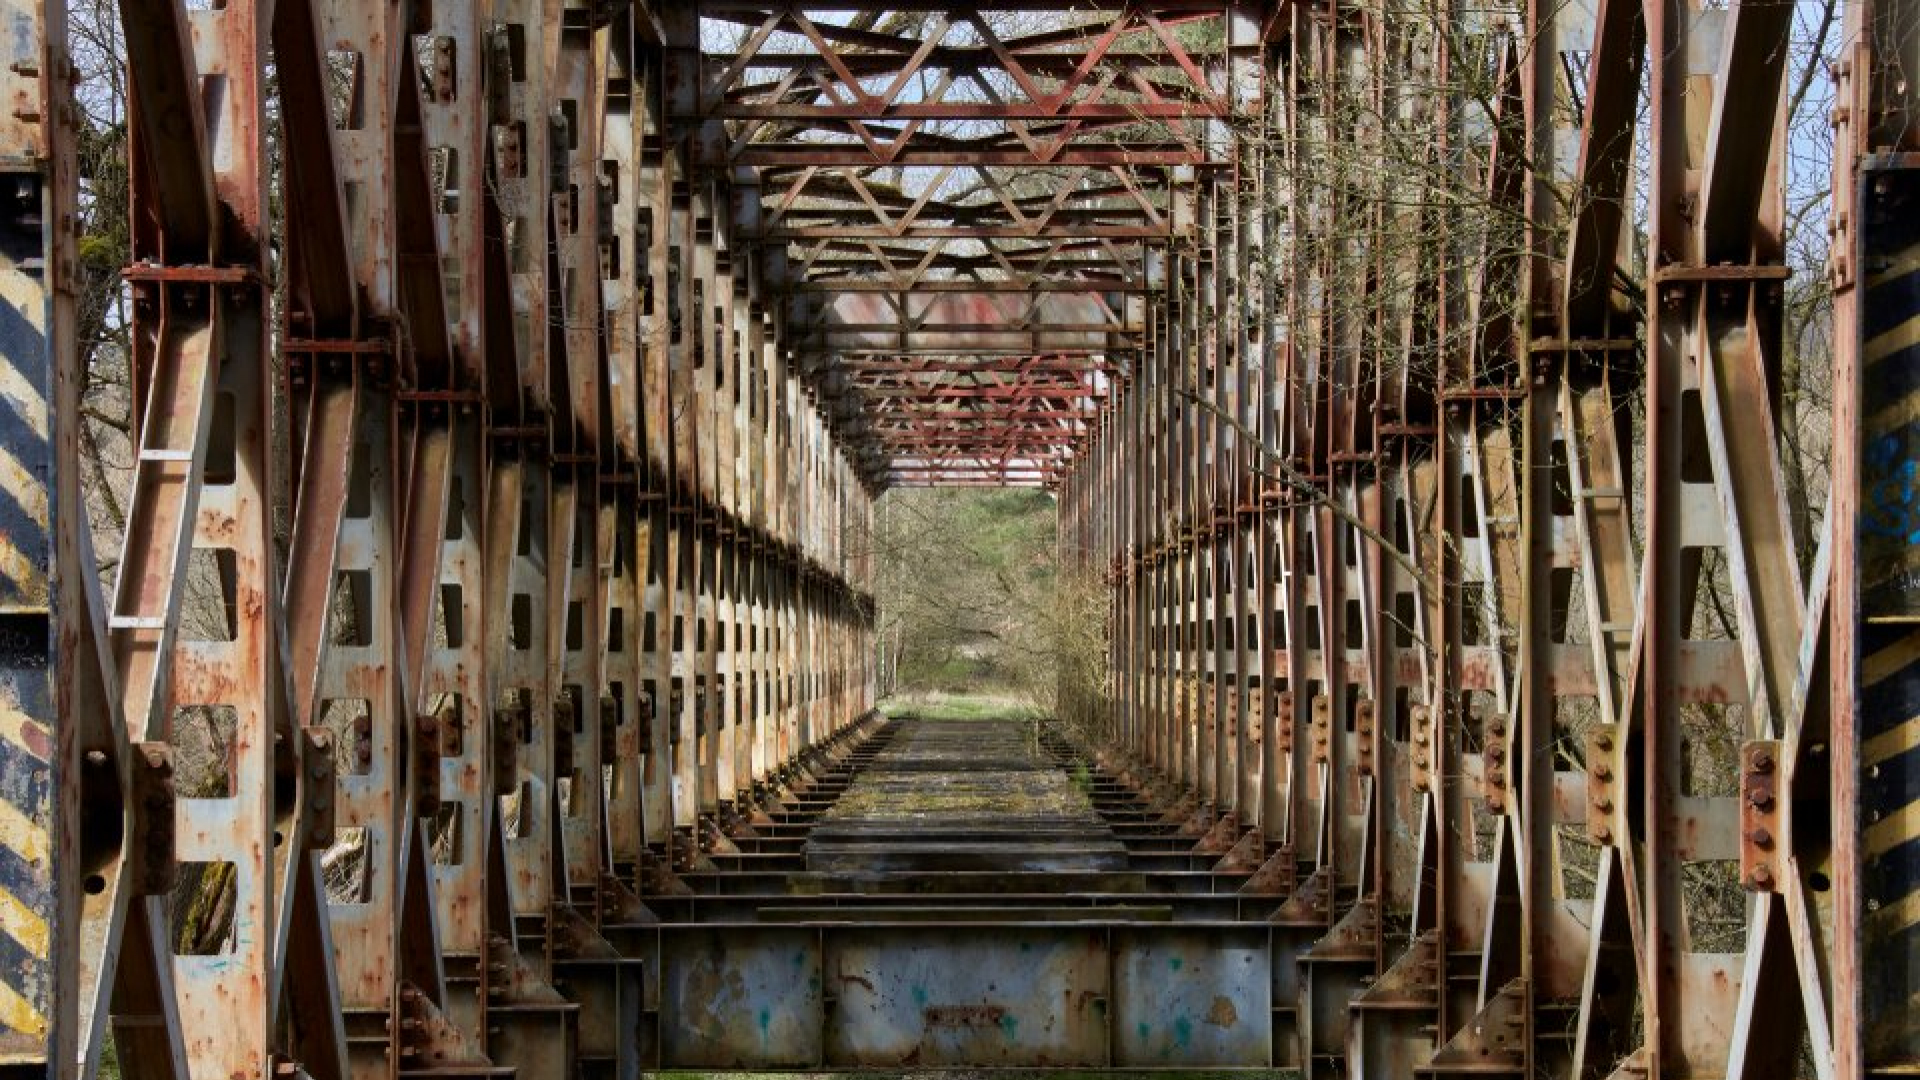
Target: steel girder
x=1869, y=614
x=962, y=180
x=1402, y=606
x=561, y=577
x=561, y=574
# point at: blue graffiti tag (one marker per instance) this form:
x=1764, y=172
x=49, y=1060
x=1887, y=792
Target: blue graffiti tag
x=1892, y=503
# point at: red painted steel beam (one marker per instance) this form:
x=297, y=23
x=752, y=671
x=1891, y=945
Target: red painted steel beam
x=1057, y=64
x=818, y=356
x=939, y=436
x=1009, y=366
x=792, y=154
x=936, y=394
x=950, y=431
x=978, y=437
x=933, y=380
x=1082, y=284
x=982, y=466
x=1159, y=110
x=892, y=413
x=723, y=7
x=1082, y=230
x=994, y=456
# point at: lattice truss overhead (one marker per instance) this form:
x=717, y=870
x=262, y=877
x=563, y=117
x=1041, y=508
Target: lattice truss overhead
x=503, y=469
x=972, y=201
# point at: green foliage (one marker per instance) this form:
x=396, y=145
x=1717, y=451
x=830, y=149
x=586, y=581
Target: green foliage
x=109, y=1059
x=941, y=706
x=1083, y=778
x=973, y=600
x=964, y=580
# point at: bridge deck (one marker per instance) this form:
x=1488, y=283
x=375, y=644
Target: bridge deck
x=964, y=795
x=971, y=894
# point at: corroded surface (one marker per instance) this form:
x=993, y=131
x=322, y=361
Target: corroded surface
x=963, y=795
x=943, y=770
x=1446, y=508
x=950, y=936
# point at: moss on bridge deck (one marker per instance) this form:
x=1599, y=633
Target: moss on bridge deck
x=964, y=794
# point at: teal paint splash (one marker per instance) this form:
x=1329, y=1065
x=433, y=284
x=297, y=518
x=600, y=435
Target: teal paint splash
x=1010, y=1026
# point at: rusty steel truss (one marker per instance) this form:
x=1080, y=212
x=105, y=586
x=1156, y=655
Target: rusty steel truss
x=526, y=427
x=1405, y=602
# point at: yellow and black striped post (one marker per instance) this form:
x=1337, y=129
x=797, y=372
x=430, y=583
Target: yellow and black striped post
x=38, y=784
x=1886, y=699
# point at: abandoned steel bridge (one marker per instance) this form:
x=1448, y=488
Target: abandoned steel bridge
x=525, y=419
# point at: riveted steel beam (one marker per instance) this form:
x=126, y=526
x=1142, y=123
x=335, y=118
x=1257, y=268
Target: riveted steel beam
x=1459, y=667
x=1464, y=664
x=498, y=270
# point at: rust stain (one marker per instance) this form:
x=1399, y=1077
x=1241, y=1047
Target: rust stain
x=1223, y=1014
x=964, y=1016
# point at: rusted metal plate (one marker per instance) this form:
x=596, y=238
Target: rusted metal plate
x=981, y=994
x=742, y=997
x=1193, y=998
x=1000, y=995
